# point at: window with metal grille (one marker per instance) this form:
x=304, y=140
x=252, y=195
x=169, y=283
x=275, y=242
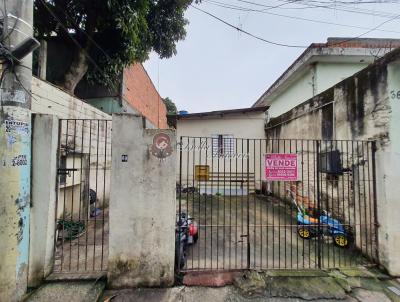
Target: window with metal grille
x=223, y=144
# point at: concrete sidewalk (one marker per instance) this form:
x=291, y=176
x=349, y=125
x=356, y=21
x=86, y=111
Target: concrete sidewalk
x=346, y=285
x=351, y=285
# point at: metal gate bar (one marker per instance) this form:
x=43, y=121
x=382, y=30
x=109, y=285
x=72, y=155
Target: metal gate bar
x=246, y=222
x=83, y=187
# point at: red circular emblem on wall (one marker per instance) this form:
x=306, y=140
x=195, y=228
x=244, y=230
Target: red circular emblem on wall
x=161, y=147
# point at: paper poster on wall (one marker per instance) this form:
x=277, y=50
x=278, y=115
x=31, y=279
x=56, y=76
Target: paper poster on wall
x=281, y=167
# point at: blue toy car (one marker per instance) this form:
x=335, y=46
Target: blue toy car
x=312, y=223
x=308, y=228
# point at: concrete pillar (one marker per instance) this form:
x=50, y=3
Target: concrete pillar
x=142, y=204
x=15, y=153
x=44, y=195
x=42, y=60
x=388, y=180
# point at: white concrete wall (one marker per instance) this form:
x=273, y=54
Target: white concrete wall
x=49, y=99
x=142, y=208
x=310, y=83
x=388, y=179
x=44, y=171
x=329, y=74
x=249, y=125
x=241, y=126
x=297, y=92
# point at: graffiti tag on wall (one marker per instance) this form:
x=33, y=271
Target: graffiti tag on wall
x=19, y=160
x=13, y=125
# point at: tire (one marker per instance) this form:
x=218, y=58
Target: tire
x=341, y=240
x=180, y=254
x=304, y=232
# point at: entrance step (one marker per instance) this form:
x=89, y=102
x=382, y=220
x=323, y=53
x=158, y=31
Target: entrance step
x=77, y=291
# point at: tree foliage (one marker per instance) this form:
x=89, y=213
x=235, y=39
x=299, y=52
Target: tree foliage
x=114, y=33
x=171, y=107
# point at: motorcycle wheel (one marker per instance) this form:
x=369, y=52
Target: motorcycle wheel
x=180, y=257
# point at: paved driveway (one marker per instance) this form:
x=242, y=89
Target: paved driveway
x=232, y=228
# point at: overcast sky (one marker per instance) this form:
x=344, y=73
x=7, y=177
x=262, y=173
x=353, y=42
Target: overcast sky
x=218, y=67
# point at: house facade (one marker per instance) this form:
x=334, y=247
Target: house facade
x=358, y=119
x=321, y=66
x=219, y=144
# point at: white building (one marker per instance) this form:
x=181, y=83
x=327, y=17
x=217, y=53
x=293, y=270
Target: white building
x=321, y=66
x=225, y=146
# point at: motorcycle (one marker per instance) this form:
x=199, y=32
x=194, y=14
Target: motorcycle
x=186, y=234
x=312, y=222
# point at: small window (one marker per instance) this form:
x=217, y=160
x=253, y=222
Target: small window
x=202, y=172
x=223, y=144
x=330, y=162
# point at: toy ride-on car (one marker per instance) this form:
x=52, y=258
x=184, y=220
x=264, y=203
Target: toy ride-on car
x=308, y=227
x=312, y=222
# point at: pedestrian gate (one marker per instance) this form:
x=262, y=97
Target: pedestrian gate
x=83, y=186
x=322, y=216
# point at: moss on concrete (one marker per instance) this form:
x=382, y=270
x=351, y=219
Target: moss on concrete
x=296, y=273
x=251, y=283
x=311, y=288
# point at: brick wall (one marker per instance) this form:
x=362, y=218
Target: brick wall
x=140, y=93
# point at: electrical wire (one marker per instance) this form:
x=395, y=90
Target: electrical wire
x=246, y=32
x=232, y=7
x=336, y=8
x=295, y=46
x=6, y=27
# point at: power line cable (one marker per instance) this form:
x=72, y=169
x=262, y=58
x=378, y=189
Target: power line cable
x=233, y=7
x=308, y=5
x=295, y=46
x=246, y=32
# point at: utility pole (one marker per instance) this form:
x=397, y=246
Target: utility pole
x=15, y=151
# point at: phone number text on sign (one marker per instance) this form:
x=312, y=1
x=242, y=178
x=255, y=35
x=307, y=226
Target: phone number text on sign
x=280, y=167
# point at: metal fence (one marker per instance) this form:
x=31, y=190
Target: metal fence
x=83, y=181
x=324, y=218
